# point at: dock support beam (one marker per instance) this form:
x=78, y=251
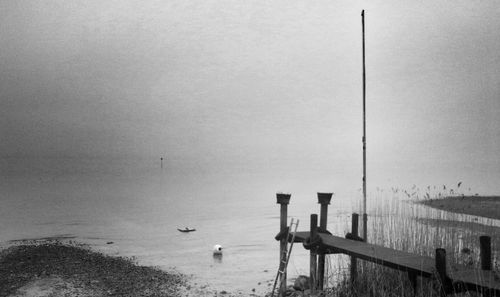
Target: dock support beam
x=354, y=261
x=365, y=227
x=283, y=200
x=412, y=276
x=485, y=252
x=441, y=271
x=323, y=199
x=312, y=254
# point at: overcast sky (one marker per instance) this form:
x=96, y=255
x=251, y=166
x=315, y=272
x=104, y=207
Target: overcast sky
x=256, y=84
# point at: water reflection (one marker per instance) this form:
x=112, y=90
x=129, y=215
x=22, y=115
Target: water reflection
x=217, y=258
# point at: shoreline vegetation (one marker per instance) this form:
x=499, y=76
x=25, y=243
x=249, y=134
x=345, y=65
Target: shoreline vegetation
x=483, y=206
x=53, y=268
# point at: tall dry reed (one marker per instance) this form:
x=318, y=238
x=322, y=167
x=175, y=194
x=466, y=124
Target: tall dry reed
x=399, y=221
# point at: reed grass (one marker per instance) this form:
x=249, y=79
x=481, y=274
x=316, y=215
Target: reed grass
x=399, y=221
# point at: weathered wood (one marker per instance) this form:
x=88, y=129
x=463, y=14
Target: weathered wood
x=441, y=271
x=365, y=227
x=323, y=199
x=301, y=236
x=484, y=281
x=354, y=261
x=378, y=254
x=485, y=252
x=422, y=265
x=412, y=276
x=283, y=200
x=312, y=254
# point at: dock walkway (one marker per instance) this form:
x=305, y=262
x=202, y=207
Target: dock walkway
x=484, y=281
x=330, y=244
x=320, y=242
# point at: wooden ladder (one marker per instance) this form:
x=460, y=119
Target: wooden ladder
x=285, y=257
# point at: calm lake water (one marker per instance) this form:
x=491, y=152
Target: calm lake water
x=140, y=208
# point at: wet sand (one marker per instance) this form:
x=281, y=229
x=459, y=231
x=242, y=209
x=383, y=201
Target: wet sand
x=483, y=206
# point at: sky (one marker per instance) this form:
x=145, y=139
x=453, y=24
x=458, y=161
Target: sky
x=257, y=86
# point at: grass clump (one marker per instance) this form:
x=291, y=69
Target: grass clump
x=378, y=281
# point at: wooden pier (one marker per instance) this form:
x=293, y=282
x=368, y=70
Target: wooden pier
x=483, y=280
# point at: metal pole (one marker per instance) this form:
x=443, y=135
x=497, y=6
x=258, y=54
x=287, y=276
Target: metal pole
x=365, y=219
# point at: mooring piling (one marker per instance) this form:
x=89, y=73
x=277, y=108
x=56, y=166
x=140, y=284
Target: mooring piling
x=283, y=200
x=323, y=199
x=354, y=261
x=485, y=252
x=313, y=254
x=441, y=270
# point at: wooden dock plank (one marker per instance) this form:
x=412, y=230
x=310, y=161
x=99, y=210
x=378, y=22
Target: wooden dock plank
x=385, y=256
x=422, y=265
x=477, y=279
x=400, y=260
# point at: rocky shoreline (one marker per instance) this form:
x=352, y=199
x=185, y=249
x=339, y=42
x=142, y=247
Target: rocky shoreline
x=53, y=268
x=57, y=269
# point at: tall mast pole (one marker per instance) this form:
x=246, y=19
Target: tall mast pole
x=365, y=219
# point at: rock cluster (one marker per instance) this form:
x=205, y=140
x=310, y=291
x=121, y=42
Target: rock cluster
x=301, y=288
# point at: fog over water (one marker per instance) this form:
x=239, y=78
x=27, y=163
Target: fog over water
x=242, y=99
x=256, y=86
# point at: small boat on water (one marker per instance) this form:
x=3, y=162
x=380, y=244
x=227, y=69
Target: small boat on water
x=186, y=230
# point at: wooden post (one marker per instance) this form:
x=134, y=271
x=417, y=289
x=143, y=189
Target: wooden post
x=412, y=275
x=441, y=271
x=365, y=227
x=283, y=200
x=354, y=261
x=312, y=254
x=323, y=199
x=485, y=252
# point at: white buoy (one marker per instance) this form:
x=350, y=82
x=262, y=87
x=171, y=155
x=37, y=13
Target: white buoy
x=217, y=249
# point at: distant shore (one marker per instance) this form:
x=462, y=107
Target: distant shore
x=483, y=206
x=56, y=269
